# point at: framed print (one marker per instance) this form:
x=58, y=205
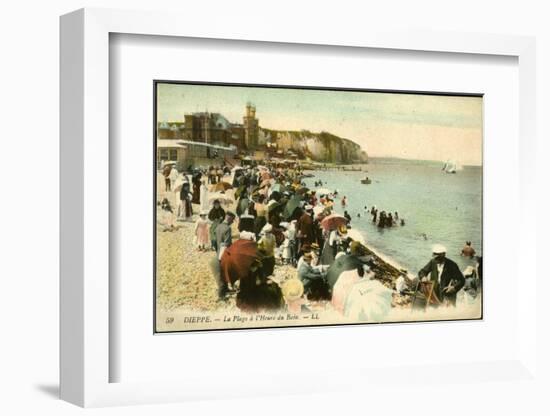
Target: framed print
x=159, y=121
x=261, y=227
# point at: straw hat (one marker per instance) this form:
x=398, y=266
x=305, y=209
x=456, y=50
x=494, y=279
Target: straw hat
x=267, y=228
x=439, y=249
x=308, y=256
x=292, y=289
x=343, y=229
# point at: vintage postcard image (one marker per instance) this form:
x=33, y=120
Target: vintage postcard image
x=283, y=206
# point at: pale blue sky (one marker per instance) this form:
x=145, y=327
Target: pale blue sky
x=400, y=125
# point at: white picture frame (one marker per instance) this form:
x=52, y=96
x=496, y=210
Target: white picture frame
x=85, y=259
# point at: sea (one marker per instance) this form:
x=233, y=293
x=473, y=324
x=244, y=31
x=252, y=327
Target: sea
x=437, y=207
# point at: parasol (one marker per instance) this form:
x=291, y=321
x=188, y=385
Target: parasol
x=368, y=300
x=291, y=206
x=237, y=260
x=221, y=187
x=333, y=221
x=180, y=185
x=223, y=198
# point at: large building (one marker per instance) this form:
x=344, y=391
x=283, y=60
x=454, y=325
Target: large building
x=206, y=135
x=214, y=129
x=185, y=153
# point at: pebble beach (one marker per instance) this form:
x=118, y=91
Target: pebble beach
x=186, y=286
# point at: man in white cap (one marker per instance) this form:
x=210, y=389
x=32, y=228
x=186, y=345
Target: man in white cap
x=266, y=247
x=444, y=274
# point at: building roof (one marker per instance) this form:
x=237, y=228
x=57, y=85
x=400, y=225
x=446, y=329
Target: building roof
x=169, y=143
x=187, y=142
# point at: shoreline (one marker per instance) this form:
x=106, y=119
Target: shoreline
x=186, y=288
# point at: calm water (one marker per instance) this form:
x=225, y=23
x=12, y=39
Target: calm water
x=445, y=207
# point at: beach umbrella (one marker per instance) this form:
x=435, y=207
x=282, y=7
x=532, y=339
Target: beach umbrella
x=223, y=198
x=340, y=265
x=291, y=206
x=333, y=221
x=221, y=187
x=237, y=260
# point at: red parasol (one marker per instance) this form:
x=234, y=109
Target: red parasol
x=237, y=260
x=333, y=221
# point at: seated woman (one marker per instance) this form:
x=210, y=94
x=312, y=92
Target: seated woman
x=257, y=293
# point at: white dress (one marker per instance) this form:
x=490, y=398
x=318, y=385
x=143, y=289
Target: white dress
x=204, y=198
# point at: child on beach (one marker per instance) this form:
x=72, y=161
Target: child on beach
x=167, y=218
x=201, y=231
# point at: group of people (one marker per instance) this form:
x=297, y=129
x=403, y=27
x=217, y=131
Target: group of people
x=385, y=219
x=280, y=220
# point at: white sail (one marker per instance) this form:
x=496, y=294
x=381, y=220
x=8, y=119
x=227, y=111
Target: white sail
x=451, y=166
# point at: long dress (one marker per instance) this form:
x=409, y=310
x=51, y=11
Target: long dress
x=201, y=232
x=186, y=207
x=204, y=198
x=196, y=191
x=329, y=249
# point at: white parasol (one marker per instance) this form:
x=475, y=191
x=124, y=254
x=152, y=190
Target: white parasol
x=223, y=198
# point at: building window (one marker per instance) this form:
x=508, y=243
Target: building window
x=164, y=154
x=173, y=154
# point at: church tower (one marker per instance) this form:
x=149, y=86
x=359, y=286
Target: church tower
x=251, y=127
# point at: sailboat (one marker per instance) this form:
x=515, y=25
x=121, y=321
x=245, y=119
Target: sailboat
x=449, y=167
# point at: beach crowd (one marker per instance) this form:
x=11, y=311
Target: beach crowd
x=258, y=218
